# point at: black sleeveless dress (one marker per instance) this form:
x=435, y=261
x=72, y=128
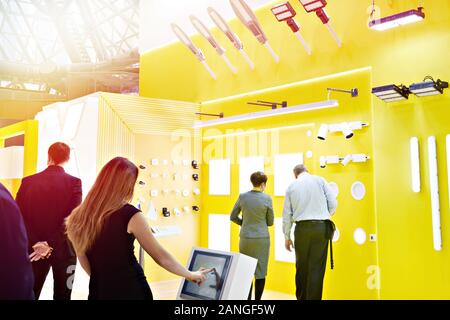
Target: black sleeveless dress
x=115, y=271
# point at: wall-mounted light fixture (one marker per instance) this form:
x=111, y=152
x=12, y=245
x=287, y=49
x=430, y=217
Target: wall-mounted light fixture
x=346, y=128
x=219, y=115
x=391, y=93
x=318, y=6
x=182, y=36
x=203, y=30
x=434, y=190
x=397, y=20
x=415, y=164
x=429, y=87
x=268, y=113
x=273, y=105
x=353, y=92
x=248, y=18
x=356, y=158
x=286, y=13
x=225, y=28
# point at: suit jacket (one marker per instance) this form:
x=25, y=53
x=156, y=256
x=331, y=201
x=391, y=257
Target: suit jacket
x=16, y=274
x=46, y=199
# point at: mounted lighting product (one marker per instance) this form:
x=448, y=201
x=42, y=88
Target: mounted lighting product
x=434, y=190
x=267, y=113
x=346, y=128
x=203, y=30
x=196, y=51
x=273, y=105
x=248, y=18
x=225, y=28
x=397, y=20
x=391, y=93
x=285, y=12
x=415, y=164
x=428, y=87
x=318, y=6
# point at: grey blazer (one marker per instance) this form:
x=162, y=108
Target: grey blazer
x=257, y=214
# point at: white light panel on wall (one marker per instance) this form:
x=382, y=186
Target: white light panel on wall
x=220, y=177
x=247, y=166
x=434, y=189
x=281, y=254
x=415, y=164
x=284, y=171
x=219, y=232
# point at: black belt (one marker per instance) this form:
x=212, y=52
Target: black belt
x=332, y=229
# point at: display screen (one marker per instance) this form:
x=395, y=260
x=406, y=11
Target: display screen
x=212, y=287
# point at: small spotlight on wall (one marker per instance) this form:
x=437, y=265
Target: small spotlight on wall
x=391, y=92
x=428, y=87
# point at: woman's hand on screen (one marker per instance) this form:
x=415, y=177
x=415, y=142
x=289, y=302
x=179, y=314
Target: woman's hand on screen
x=199, y=276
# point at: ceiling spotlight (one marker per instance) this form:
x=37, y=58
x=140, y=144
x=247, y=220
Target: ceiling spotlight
x=203, y=30
x=428, y=87
x=318, y=6
x=248, y=18
x=285, y=12
x=391, y=92
x=225, y=28
x=182, y=36
x=397, y=20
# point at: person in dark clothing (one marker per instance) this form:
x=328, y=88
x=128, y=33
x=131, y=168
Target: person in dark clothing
x=45, y=200
x=103, y=229
x=16, y=275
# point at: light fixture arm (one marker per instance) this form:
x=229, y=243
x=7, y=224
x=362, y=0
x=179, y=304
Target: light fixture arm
x=353, y=92
x=219, y=115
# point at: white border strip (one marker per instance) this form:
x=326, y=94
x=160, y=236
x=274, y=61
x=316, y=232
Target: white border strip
x=415, y=164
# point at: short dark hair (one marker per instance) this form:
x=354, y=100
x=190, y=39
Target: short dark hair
x=58, y=153
x=258, y=178
x=298, y=170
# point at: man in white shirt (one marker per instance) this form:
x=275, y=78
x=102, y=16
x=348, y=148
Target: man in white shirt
x=309, y=203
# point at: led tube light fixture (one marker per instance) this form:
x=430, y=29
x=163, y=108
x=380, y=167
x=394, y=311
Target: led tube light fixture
x=249, y=19
x=268, y=113
x=182, y=36
x=285, y=12
x=428, y=87
x=391, y=93
x=397, y=20
x=415, y=164
x=203, y=30
x=318, y=6
x=225, y=28
x=434, y=190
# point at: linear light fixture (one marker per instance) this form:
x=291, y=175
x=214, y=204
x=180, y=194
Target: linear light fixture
x=391, y=93
x=415, y=164
x=434, y=190
x=448, y=165
x=268, y=113
x=428, y=87
x=397, y=20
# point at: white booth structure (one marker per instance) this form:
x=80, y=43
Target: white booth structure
x=230, y=277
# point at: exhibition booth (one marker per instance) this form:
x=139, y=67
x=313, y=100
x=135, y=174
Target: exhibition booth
x=361, y=107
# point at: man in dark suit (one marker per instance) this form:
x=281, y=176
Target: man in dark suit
x=16, y=275
x=45, y=200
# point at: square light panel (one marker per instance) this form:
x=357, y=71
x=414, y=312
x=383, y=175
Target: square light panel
x=397, y=20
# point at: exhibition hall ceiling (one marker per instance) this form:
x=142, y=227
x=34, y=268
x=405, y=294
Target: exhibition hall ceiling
x=159, y=14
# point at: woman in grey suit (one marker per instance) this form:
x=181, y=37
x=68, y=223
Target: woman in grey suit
x=257, y=216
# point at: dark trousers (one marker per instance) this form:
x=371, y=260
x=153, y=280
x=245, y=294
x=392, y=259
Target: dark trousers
x=311, y=249
x=63, y=268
